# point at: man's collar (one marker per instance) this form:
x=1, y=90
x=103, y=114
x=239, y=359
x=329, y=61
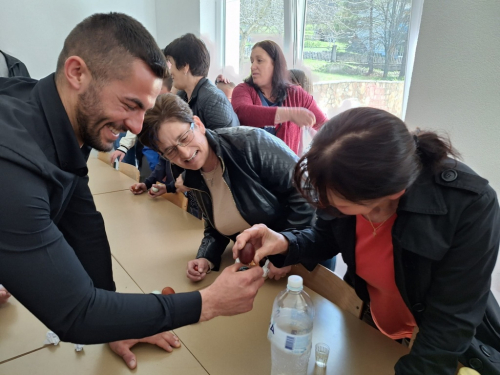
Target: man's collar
x=71, y=157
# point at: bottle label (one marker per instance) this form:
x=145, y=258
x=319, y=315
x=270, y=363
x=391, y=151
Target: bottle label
x=289, y=341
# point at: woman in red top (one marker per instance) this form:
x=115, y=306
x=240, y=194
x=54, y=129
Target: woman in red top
x=268, y=100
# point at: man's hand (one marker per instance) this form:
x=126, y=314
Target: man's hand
x=265, y=241
x=197, y=269
x=231, y=293
x=117, y=154
x=165, y=340
x=137, y=189
x=4, y=295
x=179, y=185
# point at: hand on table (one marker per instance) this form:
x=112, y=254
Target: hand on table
x=4, y=295
x=277, y=273
x=165, y=340
x=162, y=189
x=137, y=189
x=231, y=293
x=197, y=269
x=265, y=241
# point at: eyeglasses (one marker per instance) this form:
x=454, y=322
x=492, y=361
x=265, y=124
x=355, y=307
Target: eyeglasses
x=184, y=140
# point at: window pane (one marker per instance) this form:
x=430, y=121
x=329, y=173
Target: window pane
x=259, y=20
x=355, y=51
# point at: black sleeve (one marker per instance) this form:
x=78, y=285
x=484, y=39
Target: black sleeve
x=312, y=245
x=89, y=241
x=456, y=301
x=40, y=268
x=216, y=112
x=157, y=175
x=213, y=245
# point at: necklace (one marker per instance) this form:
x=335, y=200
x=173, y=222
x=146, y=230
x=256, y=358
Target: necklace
x=377, y=227
x=209, y=176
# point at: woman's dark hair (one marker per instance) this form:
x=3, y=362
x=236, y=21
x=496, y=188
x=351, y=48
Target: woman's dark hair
x=366, y=153
x=189, y=50
x=280, y=81
x=299, y=77
x=168, y=107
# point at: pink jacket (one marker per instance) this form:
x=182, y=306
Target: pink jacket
x=248, y=106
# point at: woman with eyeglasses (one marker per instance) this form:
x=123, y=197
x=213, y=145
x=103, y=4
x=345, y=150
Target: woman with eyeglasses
x=188, y=62
x=419, y=232
x=240, y=176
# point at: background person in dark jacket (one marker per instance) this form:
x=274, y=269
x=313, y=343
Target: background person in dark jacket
x=12, y=67
x=420, y=232
x=188, y=61
x=239, y=176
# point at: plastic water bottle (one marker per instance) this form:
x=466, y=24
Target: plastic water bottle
x=290, y=329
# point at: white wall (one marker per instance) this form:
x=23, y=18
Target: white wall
x=455, y=84
x=456, y=79
x=203, y=18
x=175, y=18
x=34, y=30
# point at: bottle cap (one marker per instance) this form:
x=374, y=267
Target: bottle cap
x=295, y=283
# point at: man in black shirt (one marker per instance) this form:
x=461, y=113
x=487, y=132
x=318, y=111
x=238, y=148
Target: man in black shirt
x=54, y=253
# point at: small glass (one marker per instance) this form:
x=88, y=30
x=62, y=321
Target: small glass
x=322, y=350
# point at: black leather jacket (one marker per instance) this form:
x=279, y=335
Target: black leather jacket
x=258, y=169
x=211, y=105
x=445, y=238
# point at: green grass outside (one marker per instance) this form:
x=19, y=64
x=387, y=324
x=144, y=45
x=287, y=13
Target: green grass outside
x=315, y=67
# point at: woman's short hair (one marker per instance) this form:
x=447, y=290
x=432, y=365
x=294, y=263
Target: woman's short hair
x=189, y=50
x=167, y=108
x=366, y=153
x=280, y=80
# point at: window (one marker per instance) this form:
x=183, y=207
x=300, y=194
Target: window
x=250, y=21
x=356, y=53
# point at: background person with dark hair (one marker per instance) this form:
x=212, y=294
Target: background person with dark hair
x=188, y=62
x=239, y=176
x=267, y=100
x=418, y=230
x=54, y=253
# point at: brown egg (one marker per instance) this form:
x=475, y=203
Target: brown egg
x=247, y=253
x=167, y=290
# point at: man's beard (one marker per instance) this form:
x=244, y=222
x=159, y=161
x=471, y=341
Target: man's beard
x=91, y=119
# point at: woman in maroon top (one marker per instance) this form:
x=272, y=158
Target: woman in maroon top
x=268, y=100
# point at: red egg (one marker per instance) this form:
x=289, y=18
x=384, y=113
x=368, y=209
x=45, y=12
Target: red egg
x=247, y=254
x=167, y=290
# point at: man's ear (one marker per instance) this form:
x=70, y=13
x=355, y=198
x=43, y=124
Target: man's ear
x=77, y=73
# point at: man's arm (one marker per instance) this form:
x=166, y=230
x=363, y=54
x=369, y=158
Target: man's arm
x=41, y=269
